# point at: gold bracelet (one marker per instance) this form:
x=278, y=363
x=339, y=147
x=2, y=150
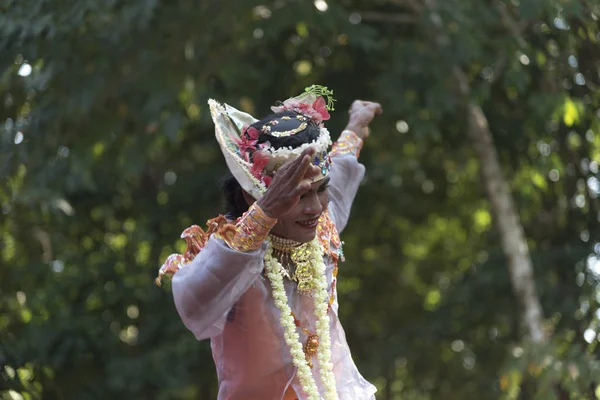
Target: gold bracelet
x=348, y=143
x=250, y=231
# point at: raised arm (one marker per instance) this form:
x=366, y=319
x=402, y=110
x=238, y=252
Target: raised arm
x=346, y=172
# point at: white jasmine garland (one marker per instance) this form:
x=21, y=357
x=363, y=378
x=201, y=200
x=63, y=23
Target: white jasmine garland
x=292, y=339
x=321, y=299
x=287, y=322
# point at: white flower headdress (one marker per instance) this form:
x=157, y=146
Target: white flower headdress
x=252, y=164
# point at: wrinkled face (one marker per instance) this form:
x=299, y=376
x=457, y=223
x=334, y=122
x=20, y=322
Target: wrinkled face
x=300, y=223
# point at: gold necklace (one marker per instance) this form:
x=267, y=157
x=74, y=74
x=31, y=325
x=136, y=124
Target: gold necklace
x=294, y=254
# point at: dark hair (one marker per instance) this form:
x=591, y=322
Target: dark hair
x=235, y=203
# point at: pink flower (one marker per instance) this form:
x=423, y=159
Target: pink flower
x=267, y=180
x=248, y=141
x=259, y=162
x=252, y=133
x=289, y=105
x=317, y=111
x=304, y=108
x=321, y=107
x=246, y=146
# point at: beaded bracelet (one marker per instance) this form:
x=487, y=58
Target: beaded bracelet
x=348, y=143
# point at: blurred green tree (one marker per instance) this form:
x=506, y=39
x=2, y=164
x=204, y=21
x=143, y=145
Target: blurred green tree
x=107, y=154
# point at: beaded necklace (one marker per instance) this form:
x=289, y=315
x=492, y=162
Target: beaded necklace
x=296, y=256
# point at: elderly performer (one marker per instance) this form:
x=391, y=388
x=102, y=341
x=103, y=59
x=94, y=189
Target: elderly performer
x=261, y=281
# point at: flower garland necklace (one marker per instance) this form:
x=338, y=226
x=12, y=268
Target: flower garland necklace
x=319, y=343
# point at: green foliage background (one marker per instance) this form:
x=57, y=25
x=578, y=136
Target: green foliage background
x=107, y=153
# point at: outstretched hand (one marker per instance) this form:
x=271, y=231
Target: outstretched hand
x=290, y=182
x=361, y=115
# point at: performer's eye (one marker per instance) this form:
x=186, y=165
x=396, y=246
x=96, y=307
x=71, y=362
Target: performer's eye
x=323, y=188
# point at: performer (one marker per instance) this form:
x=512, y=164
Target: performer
x=261, y=281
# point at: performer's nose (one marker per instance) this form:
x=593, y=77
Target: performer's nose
x=313, y=205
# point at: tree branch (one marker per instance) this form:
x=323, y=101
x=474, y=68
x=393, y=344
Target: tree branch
x=506, y=216
x=44, y=238
x=512, y=26
x=383, y=17
x=412, y=4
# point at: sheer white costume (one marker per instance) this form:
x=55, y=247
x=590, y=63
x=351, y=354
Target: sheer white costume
x=223, y=295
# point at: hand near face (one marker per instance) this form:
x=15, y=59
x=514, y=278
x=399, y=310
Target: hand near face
x=361, y=115
x=290, y=182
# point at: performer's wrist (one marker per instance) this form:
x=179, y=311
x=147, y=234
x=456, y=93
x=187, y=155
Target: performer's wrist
x=265, y=209
x=348, y=143
x=260, y=217
x=356, y=129
x=251, y=230
x=359, y=128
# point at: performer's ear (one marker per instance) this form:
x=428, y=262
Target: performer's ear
x=249, y=199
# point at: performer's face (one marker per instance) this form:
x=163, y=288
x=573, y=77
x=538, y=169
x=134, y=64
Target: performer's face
x=300, y=223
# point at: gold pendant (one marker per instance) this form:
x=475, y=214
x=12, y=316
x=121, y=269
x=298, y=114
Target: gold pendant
x=303, y=275
x=310, y=348
x=290, y=253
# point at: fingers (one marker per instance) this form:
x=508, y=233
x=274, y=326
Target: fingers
x=302, y=164
x=356, y=105
x=311, y=172
x=290, y=167
x=377, y=108
x=303, y=187
x=374, y=107
x=309, y=151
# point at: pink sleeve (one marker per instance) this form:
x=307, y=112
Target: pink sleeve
x=346, y=174
x=207, y=288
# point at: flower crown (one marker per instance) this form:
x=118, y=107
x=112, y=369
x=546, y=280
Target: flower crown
x=254, y=164
x=317, y=110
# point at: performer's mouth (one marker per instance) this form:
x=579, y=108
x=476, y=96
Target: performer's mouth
x=309, y=223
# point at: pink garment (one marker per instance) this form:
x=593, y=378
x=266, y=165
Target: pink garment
x=222, y=295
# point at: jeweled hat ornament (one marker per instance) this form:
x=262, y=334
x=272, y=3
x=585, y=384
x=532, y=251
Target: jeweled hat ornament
x=254, y=164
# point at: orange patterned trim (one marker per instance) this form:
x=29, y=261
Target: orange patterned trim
x=250, y=231
x=196, y=239
x=348, y=143
x=327, y=233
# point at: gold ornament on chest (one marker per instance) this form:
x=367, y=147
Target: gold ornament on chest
x=295, y=262
x=310, y=348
